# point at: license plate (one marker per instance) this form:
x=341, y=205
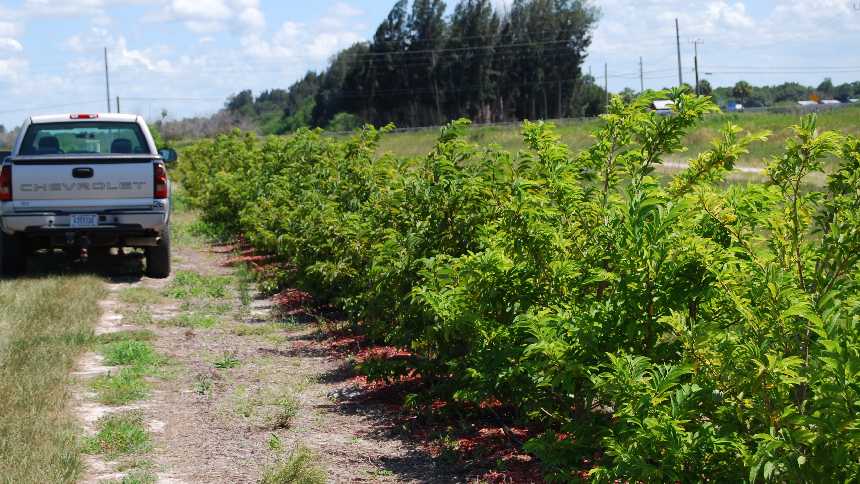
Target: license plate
x=84, y=220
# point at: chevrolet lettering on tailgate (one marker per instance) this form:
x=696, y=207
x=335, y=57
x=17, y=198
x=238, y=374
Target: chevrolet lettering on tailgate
x=81, y=186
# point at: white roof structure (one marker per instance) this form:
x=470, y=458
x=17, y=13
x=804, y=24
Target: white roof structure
x=854, y=100
x=663, y=104
x=831, y=101
x=807, y=103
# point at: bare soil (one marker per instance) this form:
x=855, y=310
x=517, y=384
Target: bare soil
x=213, y=424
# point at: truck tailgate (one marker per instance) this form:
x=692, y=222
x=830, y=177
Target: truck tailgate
x=129, y=183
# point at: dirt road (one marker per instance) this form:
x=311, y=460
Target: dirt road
x=233, y=386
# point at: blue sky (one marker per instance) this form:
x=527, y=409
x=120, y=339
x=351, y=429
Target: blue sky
x=187, y=56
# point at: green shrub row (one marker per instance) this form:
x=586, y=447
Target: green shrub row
x=676, y=328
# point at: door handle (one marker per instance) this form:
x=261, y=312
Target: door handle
x=82, y=172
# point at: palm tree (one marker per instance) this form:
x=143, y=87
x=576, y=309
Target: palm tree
x=742, y=91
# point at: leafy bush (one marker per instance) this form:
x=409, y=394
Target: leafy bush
x=686, y=329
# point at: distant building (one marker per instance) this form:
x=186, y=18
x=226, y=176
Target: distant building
x=734, y=107
x=662, y=106
x=808, y=103
x=854, y=100
x=830, y=101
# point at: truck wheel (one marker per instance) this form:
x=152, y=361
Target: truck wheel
x=13, y=260
x=158, y=257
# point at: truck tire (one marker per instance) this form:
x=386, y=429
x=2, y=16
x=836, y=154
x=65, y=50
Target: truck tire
x=158, y=257
x=13, y=259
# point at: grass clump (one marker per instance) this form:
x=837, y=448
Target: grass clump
x=139, y=295
x=130, y=352
x=139, y=477
x=45, y=325
x=254, y=329
x=125, y=386
x=245, y=284
x=137, y=357
x=203, y=384
x=287, y=407
x=227, y=361
x=300, y=467
x=193, y=320
x=138, y=316
x=126, y=335
x=191, y=285
x=119, y=434
x=137, y=472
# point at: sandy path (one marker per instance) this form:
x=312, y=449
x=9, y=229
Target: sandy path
x=217, y=425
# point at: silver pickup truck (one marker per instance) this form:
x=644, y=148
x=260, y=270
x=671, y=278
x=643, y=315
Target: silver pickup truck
x=85, y=181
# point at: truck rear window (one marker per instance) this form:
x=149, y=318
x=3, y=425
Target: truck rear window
x=100, y=138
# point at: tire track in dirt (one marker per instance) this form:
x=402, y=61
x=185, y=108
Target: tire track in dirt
x=89, y=410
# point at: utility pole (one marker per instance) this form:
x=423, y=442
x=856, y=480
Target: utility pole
x=606, y=83
x=107, y=80
x=678, y=44
x=641, y=77
x=696, y=61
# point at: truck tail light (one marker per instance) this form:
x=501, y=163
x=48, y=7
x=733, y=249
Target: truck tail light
x=6, y=183
x=161, y=186
x=83, y=116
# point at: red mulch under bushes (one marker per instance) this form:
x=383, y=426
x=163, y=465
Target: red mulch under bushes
x=490, y=450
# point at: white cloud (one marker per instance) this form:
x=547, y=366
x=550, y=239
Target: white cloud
x=119, y=53
x=343, y=9
x=10, y=44
x=13, y=70
x=62, y=8
x=210, y=16
x=9, y=29
x=200, y=9
x=315, y=42
x=252, y=18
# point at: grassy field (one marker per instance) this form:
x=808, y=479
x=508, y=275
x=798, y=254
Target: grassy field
x=576, y=133
x=45, y=324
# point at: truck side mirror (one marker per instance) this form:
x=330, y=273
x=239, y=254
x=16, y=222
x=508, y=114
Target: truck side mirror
x=168, y=155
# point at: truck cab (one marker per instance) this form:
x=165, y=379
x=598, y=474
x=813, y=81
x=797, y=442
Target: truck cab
x=85, y=181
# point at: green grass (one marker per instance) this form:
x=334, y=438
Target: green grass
x=193, y=320
x=138, y=476
x=227, y=361
x=286, y=409
x=139, y=360
x=125, y=386
x=45, y=325
x=129, y=352
x=126, y=335
x=138, y=316
x=119, y=434
x=191, y=285
x=254, y=329
x=245, y=280
x=576, y=134
x=139, y=295
x=300, y=467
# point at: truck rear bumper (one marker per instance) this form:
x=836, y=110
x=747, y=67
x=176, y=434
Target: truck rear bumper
x=133, y=224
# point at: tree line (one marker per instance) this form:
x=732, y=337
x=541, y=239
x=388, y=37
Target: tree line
x=423, y=67
x=785, y=93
